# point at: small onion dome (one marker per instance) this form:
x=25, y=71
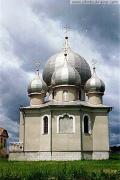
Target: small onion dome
x=66, y=75
x=74, y=59
x=37, y=85
x=94, y=84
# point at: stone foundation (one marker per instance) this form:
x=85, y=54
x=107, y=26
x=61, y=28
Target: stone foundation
x=44, y=156
x=100, y=155
x=30, y=156
x=87, y=155
x=57, y=156
x=66, y=156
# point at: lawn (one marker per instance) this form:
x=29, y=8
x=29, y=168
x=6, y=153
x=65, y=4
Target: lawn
x=54, y=170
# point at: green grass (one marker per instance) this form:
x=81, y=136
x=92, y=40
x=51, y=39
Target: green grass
x=115, y=156
x=54, y=170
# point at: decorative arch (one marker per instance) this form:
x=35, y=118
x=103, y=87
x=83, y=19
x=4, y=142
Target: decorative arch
x=86, y=124
x=66, y=123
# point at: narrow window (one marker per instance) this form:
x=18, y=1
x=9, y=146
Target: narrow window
x=86, y=124
x=45, y=121
x=4, y=142
x=79, y=95
x=53, y=94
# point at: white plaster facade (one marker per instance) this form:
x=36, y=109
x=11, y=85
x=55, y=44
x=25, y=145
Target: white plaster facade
x=62, y=146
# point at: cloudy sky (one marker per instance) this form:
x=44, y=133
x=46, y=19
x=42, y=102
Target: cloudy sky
x=33, y=30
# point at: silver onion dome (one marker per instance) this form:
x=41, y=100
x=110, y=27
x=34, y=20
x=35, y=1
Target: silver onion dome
x=74, y=59
x=94, y=84
x=65, y=75
x=37, y=85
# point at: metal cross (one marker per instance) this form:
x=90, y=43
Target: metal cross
x=66, y=39
x=94, y=62
x=37, y=66
x=66, y=30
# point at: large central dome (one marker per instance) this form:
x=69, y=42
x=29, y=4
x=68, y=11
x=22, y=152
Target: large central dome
x=75, y=60
x=66, y=75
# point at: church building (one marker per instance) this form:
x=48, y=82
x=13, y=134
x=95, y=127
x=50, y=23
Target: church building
x=72, y=122
x=3, y=142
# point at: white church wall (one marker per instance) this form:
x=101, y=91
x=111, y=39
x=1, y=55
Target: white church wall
x=31, y=131
x=45, y=139
x=66, y=141
x=87, y=138
x=100, y=132
x=21, y=127
x=66, y=144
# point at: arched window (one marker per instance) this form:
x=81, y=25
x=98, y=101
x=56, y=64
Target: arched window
x=86, y=124
x=80, y=95
x=65, y=93
x=45, y=125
